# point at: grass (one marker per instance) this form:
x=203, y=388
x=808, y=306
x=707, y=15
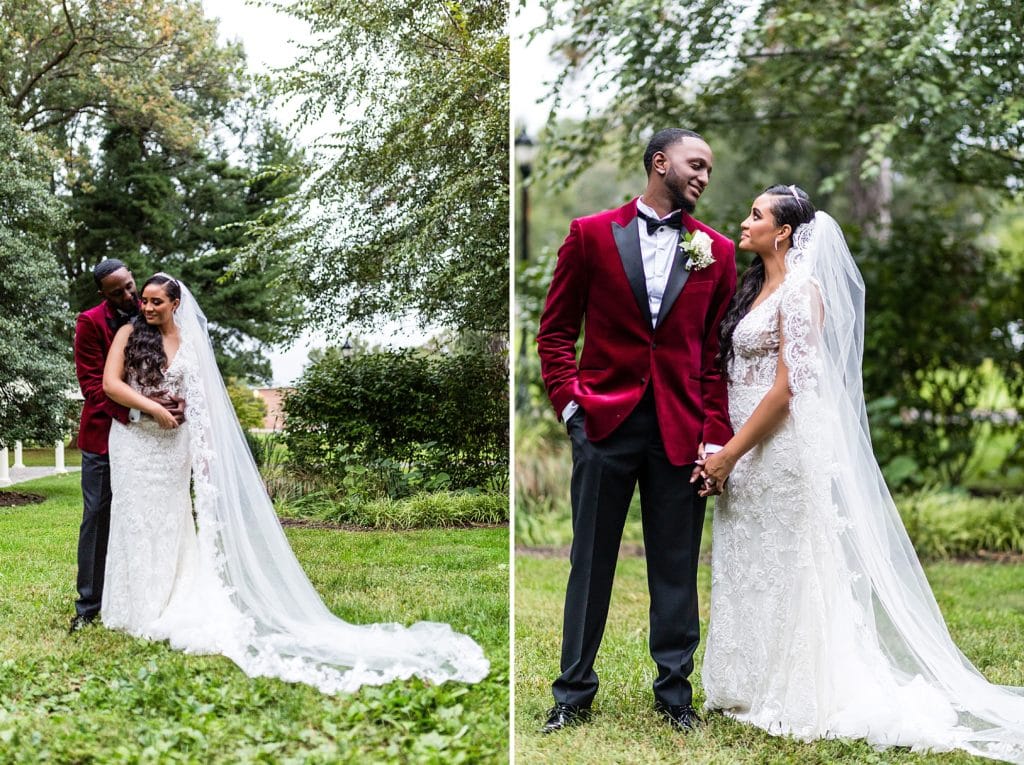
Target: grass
x=44, y=457
x=983, y=605
x=101, y=696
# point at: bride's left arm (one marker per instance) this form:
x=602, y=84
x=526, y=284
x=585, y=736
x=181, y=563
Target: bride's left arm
x=774, y=406
x=766, y=417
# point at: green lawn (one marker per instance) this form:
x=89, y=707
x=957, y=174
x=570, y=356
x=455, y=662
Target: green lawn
x=36, y=457
x=101, y=696
x=983, y=605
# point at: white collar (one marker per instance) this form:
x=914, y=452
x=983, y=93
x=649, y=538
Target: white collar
x=646, y=209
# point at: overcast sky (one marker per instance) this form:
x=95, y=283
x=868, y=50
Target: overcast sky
x=270, y=41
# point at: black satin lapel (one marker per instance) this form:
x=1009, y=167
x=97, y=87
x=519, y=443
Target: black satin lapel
x=677, y=277
x=627, y=239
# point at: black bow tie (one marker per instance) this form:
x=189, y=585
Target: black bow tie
x=119, y=320
x=675, y=220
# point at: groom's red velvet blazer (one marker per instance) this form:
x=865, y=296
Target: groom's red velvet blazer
x=599, y=283
x=94, y=332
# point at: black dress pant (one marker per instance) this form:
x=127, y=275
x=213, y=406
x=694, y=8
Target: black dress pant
x=93, y=533
x=604, y=476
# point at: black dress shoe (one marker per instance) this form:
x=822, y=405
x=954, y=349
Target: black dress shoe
x=80, y=622
x=680, y=716
x=563, y=715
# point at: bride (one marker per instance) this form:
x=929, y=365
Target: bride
x=807, y=543
x=226, y=582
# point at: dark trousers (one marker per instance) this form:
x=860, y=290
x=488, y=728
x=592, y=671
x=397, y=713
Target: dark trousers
x=93, y=534
x=604, y=475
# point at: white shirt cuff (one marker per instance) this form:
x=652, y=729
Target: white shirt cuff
x=134, y=415
x=712, y=448
x=569, y=411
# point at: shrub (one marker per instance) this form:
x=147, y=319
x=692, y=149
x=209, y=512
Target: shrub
x=950, y=524
x=424, y=510
x=438, y=510
x=543, y=466
x=249, y=408
x=393, y=422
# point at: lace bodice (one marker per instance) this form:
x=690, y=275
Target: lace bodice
x=756, y=357
x=176, y=374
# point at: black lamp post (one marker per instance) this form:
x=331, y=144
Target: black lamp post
x=526, y=152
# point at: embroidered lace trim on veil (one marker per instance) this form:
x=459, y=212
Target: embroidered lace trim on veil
x=822, y=310
x=278, y=626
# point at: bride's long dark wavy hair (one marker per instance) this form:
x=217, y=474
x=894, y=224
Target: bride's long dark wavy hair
x=144, y=357
x=792, y=205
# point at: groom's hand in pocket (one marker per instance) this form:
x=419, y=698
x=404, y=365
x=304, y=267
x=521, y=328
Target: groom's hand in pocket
x=575, y=419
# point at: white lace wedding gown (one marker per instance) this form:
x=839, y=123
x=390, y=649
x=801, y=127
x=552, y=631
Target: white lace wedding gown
x=785, y=649
x=226, y=581
x=153, y=553
x=822, y=624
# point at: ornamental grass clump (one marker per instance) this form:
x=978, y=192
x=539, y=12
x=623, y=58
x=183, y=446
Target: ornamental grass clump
x=953, y=524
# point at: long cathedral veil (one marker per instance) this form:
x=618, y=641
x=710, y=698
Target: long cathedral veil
x=822, y=314
x=282, y=627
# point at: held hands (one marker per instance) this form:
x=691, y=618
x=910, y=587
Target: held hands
x=713, y=469
x=707, y=488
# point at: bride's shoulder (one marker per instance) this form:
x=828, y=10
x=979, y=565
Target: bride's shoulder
x=122, y=334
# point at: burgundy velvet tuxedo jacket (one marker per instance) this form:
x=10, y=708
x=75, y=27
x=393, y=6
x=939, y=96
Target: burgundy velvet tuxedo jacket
x=599, y=283
x=94, y=332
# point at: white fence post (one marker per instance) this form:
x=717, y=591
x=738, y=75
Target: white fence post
x=5, y=473
x=59, y=455
x=19, y=461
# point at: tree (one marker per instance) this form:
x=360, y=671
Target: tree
x=413, y=194
x=147, y=112
x=249, y=407
x=932, y=87
x=184, y=213
x=150, y=65
x=35, y=369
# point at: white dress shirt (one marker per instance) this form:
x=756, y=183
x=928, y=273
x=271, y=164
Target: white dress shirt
x=657, y=250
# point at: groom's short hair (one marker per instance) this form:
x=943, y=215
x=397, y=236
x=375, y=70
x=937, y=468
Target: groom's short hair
x=662, y=140
x=105, y=268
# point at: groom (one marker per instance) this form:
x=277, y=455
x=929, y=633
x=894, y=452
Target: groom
x=640, y=406
x=94, y=331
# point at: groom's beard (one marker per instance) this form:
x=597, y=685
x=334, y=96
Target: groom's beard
x=675, y=190
x=130, y=310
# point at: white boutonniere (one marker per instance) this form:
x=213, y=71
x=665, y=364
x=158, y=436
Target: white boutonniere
x=697, y=247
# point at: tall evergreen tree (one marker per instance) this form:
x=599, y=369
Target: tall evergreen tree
x=160, y=210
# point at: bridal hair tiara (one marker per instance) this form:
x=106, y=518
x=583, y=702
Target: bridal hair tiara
x=168, y=276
